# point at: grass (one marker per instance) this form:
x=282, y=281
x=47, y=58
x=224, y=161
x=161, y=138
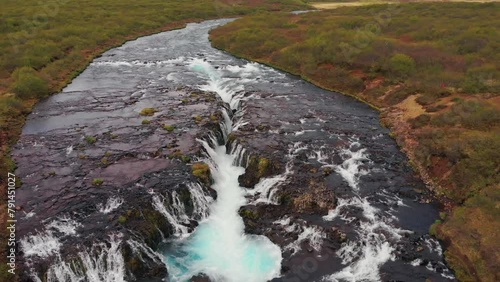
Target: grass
x=45, y=44
x=438, y=64
x=97, y=181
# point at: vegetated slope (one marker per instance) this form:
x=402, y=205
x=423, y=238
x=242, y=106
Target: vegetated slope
x=433, y=71
x=44, y=44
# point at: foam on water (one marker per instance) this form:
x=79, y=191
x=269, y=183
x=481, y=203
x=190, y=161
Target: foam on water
x=111, y=204
x=47, y=243
x=42, y=244
x=65, y=225
x=376, y=234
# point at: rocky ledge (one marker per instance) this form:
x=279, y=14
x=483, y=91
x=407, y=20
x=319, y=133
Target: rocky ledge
x=90, y=167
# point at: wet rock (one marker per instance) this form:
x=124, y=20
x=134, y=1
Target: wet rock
x=72, y=169
x=200, y=278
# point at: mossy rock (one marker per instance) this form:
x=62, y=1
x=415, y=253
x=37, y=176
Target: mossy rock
x=257, y=168
x=169, y=128
x=147, y=112
x=202, y=172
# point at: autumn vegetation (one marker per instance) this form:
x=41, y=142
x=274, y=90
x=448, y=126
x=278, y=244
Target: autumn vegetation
x=432, y=69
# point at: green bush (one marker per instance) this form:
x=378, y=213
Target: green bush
x=402, y=65
x=27, y=84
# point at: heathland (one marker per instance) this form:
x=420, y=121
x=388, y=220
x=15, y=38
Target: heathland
x=432, y=69
x=44, y=44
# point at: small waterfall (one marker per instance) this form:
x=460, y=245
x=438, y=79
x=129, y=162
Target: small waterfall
x=141, y=249
x=200, y=200
x=175, y=214
x=104, y=262
x=266, y=189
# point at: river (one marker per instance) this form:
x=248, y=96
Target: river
x=305, y=183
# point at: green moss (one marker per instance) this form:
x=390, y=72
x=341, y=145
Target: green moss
x=145, y=121
x=202, y=172
x=248, y=214
x=147, y=112
x=231, y=137
x=122, y=219
x=97, y=181
x=168, y=128
x=185, y=159
x=262, y=166
x=197, y=119
x=434, y=226
x=104, y=161
x=90, y=139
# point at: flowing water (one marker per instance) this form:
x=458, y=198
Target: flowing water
x=381, y=218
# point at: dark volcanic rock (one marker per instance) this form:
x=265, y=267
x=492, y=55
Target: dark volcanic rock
x=80, y=150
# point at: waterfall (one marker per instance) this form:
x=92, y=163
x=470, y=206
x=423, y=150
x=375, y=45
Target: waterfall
x=104, y=262
x=218, y=247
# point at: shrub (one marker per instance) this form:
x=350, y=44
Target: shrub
x=432, y=109
x=9, y=104
x=421, y=120
x=426, y=99
x=402, y=65
x=27, y=84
